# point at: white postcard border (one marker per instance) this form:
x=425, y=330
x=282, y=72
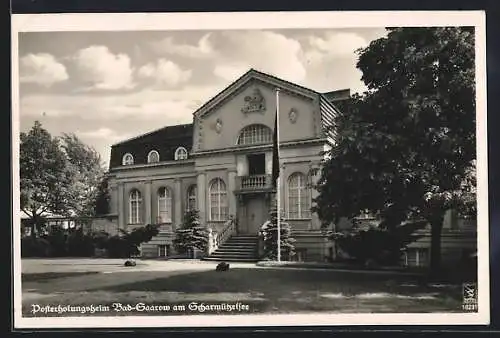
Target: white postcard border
x=261, y=20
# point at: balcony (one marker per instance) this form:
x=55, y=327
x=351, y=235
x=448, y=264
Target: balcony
x=254, y=183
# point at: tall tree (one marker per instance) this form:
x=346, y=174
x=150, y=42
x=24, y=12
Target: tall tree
x=84, y=162
x=44, y=176
x=101, y=201
x=407, y=146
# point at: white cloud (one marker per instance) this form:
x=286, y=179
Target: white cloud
x=230, y=72
x=165, y=73
x=162, y=106
x=105, y=133
x=102, y=69
x=42, y=69
x=202, y=50
x=338, y=44
x=331, y=61
x=266, y=51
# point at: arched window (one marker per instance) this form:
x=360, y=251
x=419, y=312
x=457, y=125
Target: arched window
x=298, y=197
x=181, y=154
x=135, y=203
x=128, y=159
x=153, y=156
x=255, y=134
x=218, y=200
x=164, y=205
x=191, y=198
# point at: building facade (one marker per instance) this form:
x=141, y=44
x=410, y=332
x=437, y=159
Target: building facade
x=221, y=164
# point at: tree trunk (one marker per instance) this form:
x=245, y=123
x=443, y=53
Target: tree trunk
x=436, y=222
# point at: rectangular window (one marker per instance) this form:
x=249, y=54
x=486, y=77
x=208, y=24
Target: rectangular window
x=134, y=212
x=163, y=250
x=165, y=210
x=417, y=257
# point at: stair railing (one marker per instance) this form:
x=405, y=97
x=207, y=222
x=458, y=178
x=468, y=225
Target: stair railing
x=217, y=238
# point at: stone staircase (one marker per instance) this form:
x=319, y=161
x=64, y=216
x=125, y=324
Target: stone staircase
x=237, y=248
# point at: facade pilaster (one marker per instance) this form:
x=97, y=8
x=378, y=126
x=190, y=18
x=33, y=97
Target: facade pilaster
x=178, y=199
x=202, y=196
x=147, y=203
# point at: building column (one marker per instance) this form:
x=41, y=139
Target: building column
x=178, y=200
x=120, y=209
x=147, y=202
x=113, y=205
x=201, y=182
x=231, y=196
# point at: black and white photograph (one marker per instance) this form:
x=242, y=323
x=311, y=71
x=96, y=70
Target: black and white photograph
x=249, y=169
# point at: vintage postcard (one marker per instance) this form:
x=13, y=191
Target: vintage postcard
x=249, y=169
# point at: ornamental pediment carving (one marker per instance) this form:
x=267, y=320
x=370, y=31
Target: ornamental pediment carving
x=255, y=102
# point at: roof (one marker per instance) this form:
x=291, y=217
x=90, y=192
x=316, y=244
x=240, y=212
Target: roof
x=166, y=139
x=252, y=74
x=169, y=132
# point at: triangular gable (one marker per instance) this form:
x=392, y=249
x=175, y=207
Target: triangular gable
x=242, y=81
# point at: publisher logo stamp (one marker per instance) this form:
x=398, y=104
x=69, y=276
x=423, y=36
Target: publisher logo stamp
x=469, y=297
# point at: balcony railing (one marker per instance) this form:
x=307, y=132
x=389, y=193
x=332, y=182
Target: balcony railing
x=254, y=182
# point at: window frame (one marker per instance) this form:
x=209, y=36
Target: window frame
x=177, y=155
x=168, y=204
x=251, y=132
x=124, y=159
x=222, y=214
x=303, y=212
x=152, y=152
x=137, y=202
x=193, y=188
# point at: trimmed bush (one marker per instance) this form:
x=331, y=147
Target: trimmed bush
x=35, y=247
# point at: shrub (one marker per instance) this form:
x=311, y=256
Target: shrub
x=80, y=244
x=270, y=238
x=377, y=246
x=191, y=234
x=57, y=239
x=127, y=243
x=34, y=247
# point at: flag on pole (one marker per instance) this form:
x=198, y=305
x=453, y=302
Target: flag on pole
x=276, y=171
x=276, y=164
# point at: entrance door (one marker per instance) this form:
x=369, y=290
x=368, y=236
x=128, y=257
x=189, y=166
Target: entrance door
x=256, y=164
x=256, y=214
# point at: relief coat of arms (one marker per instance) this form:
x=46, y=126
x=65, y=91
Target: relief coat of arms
x=254, y=102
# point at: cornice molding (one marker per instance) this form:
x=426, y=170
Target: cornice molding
x=152, y=165
x=263, y=147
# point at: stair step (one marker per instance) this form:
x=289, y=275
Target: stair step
x=215, y=259
x=238, y=241
x=233, y=254
x=237, y=249
x=239, y=244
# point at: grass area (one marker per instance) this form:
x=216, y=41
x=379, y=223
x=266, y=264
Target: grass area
x=263, y=290
x=47, y=276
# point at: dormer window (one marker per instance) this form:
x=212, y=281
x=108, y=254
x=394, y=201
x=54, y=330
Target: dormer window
x=181, y=153
x=128, y=159
x=153, y=156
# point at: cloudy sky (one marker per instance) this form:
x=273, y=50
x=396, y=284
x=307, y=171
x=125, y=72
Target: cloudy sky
x=109, y=86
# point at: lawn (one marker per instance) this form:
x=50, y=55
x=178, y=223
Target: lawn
x=263, y=290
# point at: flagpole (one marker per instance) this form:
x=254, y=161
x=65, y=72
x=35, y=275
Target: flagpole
x=278, y=188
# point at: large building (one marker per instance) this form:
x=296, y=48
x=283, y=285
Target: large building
x=221, y=164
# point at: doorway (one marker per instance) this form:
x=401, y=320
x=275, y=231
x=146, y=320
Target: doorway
x=256, y=164
x=255, y=215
